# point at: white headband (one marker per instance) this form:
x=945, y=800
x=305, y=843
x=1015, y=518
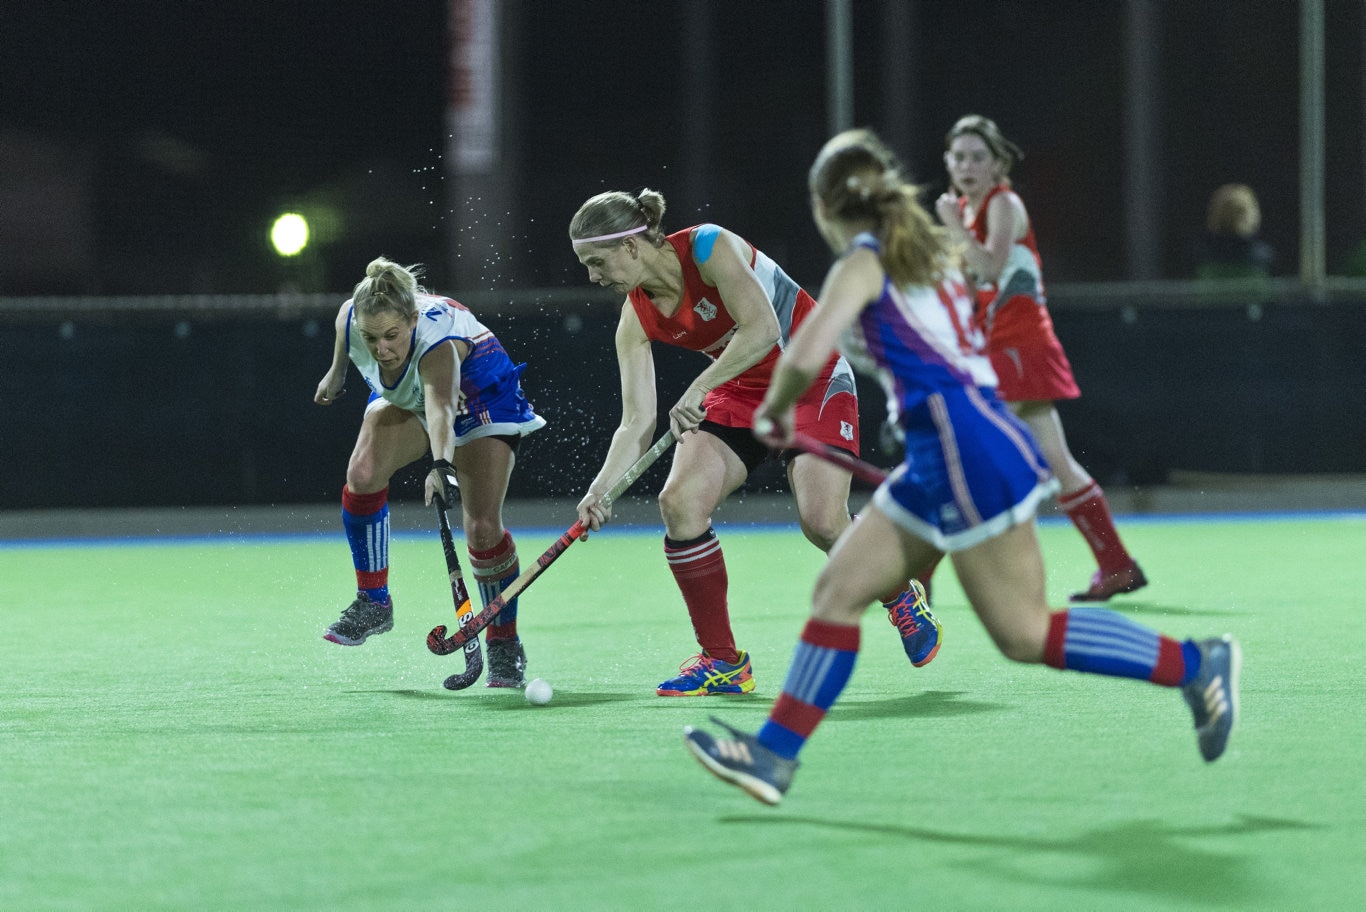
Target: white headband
x=613, y=236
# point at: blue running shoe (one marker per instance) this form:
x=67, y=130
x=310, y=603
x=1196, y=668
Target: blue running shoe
x=703, y=676
x=1213, y=694
x=742, y=761
x=921, y=633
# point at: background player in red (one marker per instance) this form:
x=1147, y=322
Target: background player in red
x=707, y=289
x=988, y=220
x=440, y=382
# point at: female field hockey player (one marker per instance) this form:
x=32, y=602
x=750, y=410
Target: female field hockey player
x=708, y=290
x=969, y=485
x=440, y=382
x=989, y=222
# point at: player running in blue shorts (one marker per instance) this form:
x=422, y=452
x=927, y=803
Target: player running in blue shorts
x=440, y=383
x=969, y=486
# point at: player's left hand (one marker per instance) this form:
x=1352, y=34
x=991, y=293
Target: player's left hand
x=441, y=480
x=688, y=412
x=946, y=207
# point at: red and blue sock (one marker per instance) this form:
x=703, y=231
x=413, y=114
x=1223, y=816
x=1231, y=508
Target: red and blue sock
x=821, y=666
x=366, y=520
x=1100, y=641
x=494, y=569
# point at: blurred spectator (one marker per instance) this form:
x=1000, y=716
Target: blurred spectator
x=1231, y=247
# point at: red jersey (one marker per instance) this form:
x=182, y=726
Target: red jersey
x=1012, y=310
x=702, y=323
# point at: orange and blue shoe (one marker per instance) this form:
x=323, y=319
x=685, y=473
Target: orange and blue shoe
x=921, y=633
x=702, y=676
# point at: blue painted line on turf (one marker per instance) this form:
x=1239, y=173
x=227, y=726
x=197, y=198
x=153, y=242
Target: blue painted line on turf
x=533, y=534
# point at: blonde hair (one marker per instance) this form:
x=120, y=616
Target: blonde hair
x=617, y=212
x=1233, y=209
x=387, y=286
x=984, y=128
x=856, y=177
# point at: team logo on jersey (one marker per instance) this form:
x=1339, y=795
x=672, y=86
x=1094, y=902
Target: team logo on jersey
x=846, y=430
x=705, y=309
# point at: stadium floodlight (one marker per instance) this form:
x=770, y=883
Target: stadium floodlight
x=289, y=234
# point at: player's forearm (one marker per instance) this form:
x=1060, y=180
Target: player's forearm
x=749, y=346
x=441, y=429
x=629, y=442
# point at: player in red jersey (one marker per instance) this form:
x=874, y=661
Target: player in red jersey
x=988, y=220
x=708, y=290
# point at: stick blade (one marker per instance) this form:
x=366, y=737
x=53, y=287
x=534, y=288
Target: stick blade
x=439, y=643
x=467, y=677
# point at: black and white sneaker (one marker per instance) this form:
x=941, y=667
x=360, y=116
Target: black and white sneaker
x=361, y=619
x=742, y=761
x=507, y=661
x=1213, y=694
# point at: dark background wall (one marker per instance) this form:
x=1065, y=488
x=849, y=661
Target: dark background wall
x=169, y=409
x=147, y=144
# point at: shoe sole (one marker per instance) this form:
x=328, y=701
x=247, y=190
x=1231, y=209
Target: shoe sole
x=706, y=692
x=929, y=658
x=756, y=788
x=340, y=640
x=1088, y=597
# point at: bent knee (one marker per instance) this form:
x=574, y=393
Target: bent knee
x=823, y=534
x=1019, y=646
x=681, y=510
x=363, y=477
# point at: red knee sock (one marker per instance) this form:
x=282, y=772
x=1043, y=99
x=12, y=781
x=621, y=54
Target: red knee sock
x=1090, y=513
x=699, y=568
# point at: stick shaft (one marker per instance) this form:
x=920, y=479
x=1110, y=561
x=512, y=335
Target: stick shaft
x=851, y=464
x=464, y=611
x=478, y=622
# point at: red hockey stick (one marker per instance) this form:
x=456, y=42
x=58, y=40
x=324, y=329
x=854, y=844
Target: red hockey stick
x=441, y=644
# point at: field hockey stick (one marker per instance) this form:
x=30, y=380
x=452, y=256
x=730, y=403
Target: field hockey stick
x=439, y=643
x=865, y=471
x=474, y=657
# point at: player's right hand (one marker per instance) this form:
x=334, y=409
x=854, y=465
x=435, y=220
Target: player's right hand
x=328, y=391
x=593, y=513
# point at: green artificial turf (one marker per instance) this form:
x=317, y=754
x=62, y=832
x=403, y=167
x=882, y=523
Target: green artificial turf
x=176, y=734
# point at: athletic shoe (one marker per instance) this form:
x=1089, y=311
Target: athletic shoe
x=1213, y=694
x=703, y=676
x=361, y=619
x=507, y=661
x=742, y=761
x=920, y=630
x=1104, y=585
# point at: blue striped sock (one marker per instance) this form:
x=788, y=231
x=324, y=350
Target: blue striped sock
x=821, y=666
x=1100, y=641
x=368, y=536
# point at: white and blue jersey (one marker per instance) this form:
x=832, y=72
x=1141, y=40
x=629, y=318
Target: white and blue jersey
x=971, y=469
x=490, y=401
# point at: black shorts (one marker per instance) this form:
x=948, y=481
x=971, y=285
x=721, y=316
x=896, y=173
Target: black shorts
x=744, y=444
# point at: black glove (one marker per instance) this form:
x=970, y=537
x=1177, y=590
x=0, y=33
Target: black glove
x=443, y=480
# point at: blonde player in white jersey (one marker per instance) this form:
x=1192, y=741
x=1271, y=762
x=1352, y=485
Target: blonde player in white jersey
x=440, y=382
